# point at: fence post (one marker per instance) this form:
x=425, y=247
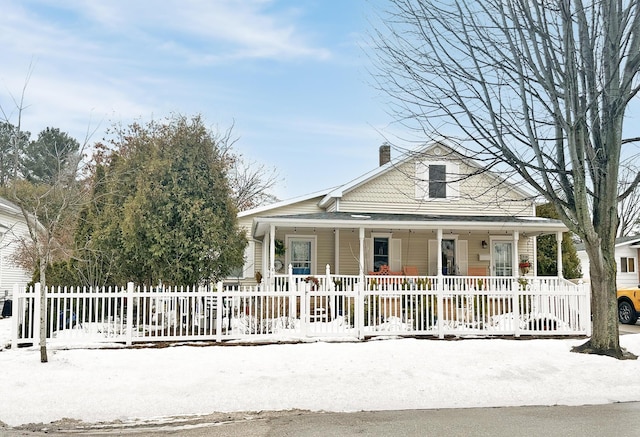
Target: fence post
x=130, y=289
x=292, y=294
x=359, y=309
x=585, y=316
x=17, y=313
x=330, y=307
x=303, y=295
x=35, y=316
x=219, y=310
x=516, y=307
x=440, y=305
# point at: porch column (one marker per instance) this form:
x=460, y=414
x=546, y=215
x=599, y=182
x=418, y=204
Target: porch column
x=361, y=254
x=440, y=287
x=559, y=253
x=439, y=260
x=272, y=250
x=535, y=256
x=336, y=245
x=516, y=258
x=265, y=256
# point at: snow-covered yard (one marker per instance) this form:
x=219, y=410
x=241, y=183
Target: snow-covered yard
x=129, y=384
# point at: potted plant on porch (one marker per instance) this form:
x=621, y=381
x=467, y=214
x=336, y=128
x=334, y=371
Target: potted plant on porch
x=524, y=264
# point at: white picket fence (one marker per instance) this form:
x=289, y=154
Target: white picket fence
x=138, y=314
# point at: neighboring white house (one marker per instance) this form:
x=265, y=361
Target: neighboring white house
x=431, y=212
x=627, y=255
x=12, y=228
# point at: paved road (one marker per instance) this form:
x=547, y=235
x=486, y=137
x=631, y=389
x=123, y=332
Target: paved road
x=595, y=420
x=629, y=329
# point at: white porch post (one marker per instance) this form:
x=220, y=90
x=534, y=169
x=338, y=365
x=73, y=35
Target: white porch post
x=265, y=256
x=336, y=245
x=272, y=250
x=359, y=309
x=559, y=253
x=439, y=260
x=439, y=286
x=361, y=254
x=515, y=256
x=535, y=257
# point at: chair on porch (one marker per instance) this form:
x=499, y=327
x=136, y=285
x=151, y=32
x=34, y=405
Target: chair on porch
x=410, y=271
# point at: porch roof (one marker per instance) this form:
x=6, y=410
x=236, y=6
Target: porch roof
x=529, y=225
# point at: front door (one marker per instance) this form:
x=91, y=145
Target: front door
x=502, y=258
x=301, y=256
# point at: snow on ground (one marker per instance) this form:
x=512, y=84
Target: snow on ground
x=129, y=384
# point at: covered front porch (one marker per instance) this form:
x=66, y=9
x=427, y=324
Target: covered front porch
x=389, y=251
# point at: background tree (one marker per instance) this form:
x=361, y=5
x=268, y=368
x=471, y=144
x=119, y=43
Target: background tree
x=162, y=208
x=629, y=206
x=48, y=206
x=12, y=143
x=538, y=88
x=47, y=158
x=547, y=249
x=251, y=183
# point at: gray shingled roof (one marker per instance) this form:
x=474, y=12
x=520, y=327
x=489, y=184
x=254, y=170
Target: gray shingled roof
x=385, y=217
x=408, y=221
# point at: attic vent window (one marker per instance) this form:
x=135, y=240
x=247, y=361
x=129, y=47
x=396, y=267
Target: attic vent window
x=437, y=181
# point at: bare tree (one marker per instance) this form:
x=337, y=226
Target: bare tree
x=629, y=206
x=250, y=181
x=540, y=87
x=49, y=209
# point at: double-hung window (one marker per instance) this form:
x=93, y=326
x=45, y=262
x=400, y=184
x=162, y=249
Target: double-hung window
x=627, y=265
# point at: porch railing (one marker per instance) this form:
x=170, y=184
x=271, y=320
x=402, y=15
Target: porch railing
x=333, y=306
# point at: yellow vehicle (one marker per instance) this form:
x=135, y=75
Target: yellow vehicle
x=628, y=305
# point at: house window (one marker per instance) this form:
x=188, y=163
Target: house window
x=449, y=266
x=301, y=256
x=437, y=181
x=627, y=265
x=380, y=253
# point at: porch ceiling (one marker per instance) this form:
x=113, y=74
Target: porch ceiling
x=382, y=221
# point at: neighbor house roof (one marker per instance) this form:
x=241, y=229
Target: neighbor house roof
x=632, y=241
x=9, y=207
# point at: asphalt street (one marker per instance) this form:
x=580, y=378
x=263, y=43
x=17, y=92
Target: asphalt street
x=567, y=421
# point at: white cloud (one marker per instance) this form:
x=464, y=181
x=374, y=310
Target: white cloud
x=220, y=30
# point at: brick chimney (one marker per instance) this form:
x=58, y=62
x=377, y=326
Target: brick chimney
x=385, y=154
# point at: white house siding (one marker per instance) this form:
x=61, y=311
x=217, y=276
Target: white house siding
x=623, y=279
x=626, y=279
x=394, y=192
x=10, y=275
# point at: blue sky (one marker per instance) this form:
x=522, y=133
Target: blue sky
x=292, y=75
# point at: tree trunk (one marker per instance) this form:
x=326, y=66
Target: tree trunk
x=605, y=339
